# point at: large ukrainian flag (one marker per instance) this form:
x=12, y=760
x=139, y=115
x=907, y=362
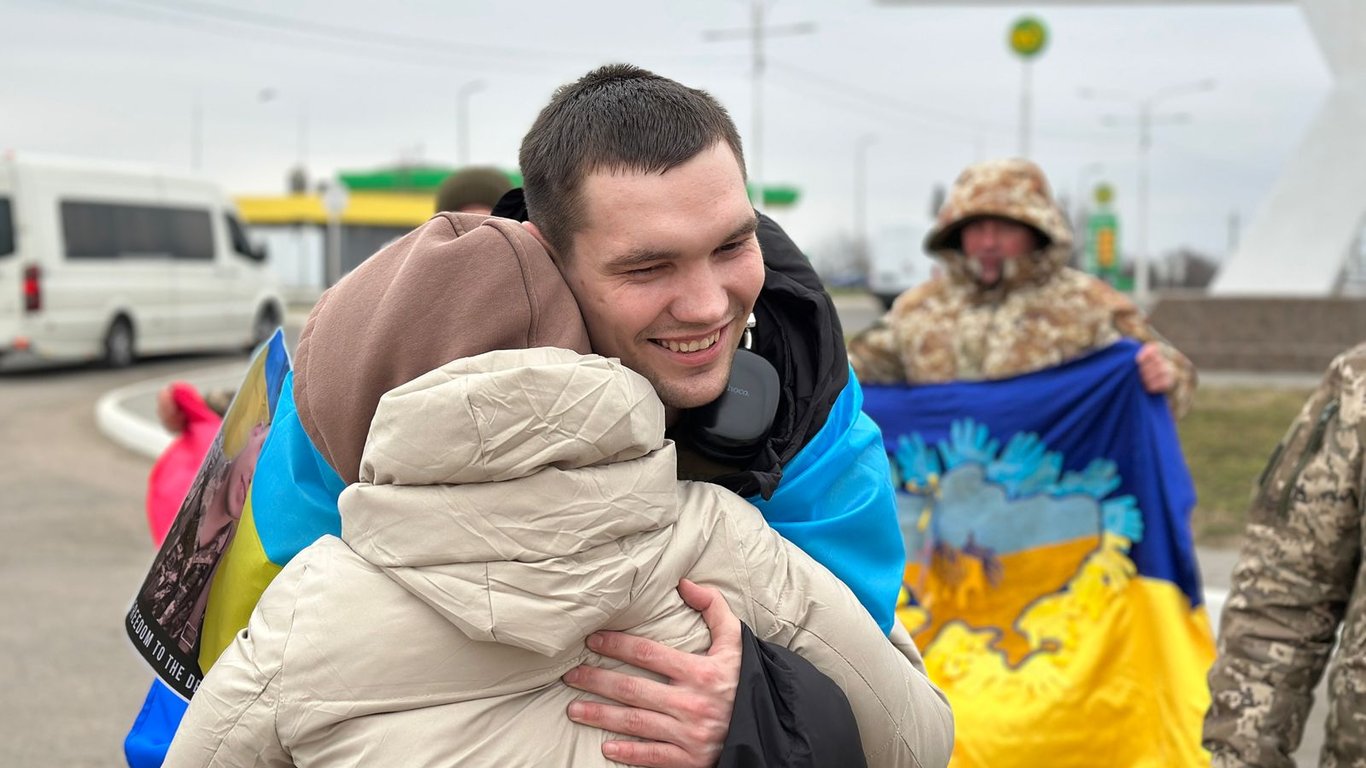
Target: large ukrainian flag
x=1051, y=582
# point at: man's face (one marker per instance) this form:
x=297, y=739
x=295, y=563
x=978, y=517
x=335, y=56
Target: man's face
x=990, y=243
x=666, y=271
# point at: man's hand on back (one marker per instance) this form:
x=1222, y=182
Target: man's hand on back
x=684, y=722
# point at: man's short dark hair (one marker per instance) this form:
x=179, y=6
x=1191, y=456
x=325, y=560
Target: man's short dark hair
x=616, y=118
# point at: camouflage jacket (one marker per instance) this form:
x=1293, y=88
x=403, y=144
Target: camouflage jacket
x=948, y=329
x=1038, y=314
x=1298, y=582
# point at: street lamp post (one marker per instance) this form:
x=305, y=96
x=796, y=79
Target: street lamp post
x=1079, y=205
x=1080, y=208
x=1145, y=119
x=268, y=95
x=462, y=120
x=861, y=192
x=197, y=134
x=335, y=200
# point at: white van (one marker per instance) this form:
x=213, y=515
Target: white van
x=897, y=262
x=102, y=262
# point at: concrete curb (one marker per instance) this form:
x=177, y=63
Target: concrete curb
x=139, y=432
x=132, y=432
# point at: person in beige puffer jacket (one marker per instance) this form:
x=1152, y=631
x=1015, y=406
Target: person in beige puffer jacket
x=514, y=499
x=1008, y=304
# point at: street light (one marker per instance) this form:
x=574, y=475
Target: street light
x=1145, y=120
x=1079, y=205
x=861, y=192
x=462, y=120
x=335, y=199
x=268, y=95
x=197, y=134
x=1080, y=208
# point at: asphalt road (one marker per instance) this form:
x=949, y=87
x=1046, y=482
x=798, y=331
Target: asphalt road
x=856, y=311
x=75, y=545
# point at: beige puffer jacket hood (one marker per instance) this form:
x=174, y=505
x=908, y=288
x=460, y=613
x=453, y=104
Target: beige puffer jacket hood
x=509, y=505
x=1012, y=189
x=514, y=469
x=459, y=285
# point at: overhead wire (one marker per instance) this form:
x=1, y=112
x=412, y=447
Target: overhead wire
x=900, y=113
x=351, y=41
x=143, y=14
x=354, y=35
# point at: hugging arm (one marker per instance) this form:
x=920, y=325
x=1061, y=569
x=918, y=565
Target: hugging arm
x=683, y=722
x=746, y=703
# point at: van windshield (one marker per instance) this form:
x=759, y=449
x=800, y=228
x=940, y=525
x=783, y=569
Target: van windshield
x=6, y=228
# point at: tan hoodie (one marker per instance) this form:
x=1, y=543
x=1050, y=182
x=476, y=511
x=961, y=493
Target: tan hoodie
x=508, y=504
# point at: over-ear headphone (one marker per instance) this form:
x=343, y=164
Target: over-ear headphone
x=732, y=428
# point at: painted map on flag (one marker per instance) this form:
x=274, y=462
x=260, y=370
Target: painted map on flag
x=1051, y=580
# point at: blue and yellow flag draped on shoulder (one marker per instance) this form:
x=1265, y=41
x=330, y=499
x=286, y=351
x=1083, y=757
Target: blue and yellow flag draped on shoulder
x=1051, y=580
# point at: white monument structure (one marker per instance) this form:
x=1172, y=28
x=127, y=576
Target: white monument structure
x=1301, y=239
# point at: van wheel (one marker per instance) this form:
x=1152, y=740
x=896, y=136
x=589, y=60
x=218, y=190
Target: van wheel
x=118, y=344
x=263, y=326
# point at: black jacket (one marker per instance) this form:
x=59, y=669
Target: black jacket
x=787, y=713
x=798, y=332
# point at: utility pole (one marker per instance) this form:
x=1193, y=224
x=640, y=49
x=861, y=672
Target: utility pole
x=756, y=33
x=462, y=121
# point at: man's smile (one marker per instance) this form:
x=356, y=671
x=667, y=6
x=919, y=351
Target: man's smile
x=690, y=345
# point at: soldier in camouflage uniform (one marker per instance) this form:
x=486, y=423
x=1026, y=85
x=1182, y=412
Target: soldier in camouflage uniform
x=1007, y=303
x=1298, y=581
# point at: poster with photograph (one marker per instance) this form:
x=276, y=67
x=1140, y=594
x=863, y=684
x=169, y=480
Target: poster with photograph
x=167, y=619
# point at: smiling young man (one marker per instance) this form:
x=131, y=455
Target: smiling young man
x=635, y=184
x=667, y=271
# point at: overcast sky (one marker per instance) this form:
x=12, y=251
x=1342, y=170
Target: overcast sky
x=937, y=87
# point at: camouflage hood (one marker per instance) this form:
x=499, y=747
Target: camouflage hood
x=1010, y=189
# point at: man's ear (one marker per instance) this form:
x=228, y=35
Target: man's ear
x=540, y=238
